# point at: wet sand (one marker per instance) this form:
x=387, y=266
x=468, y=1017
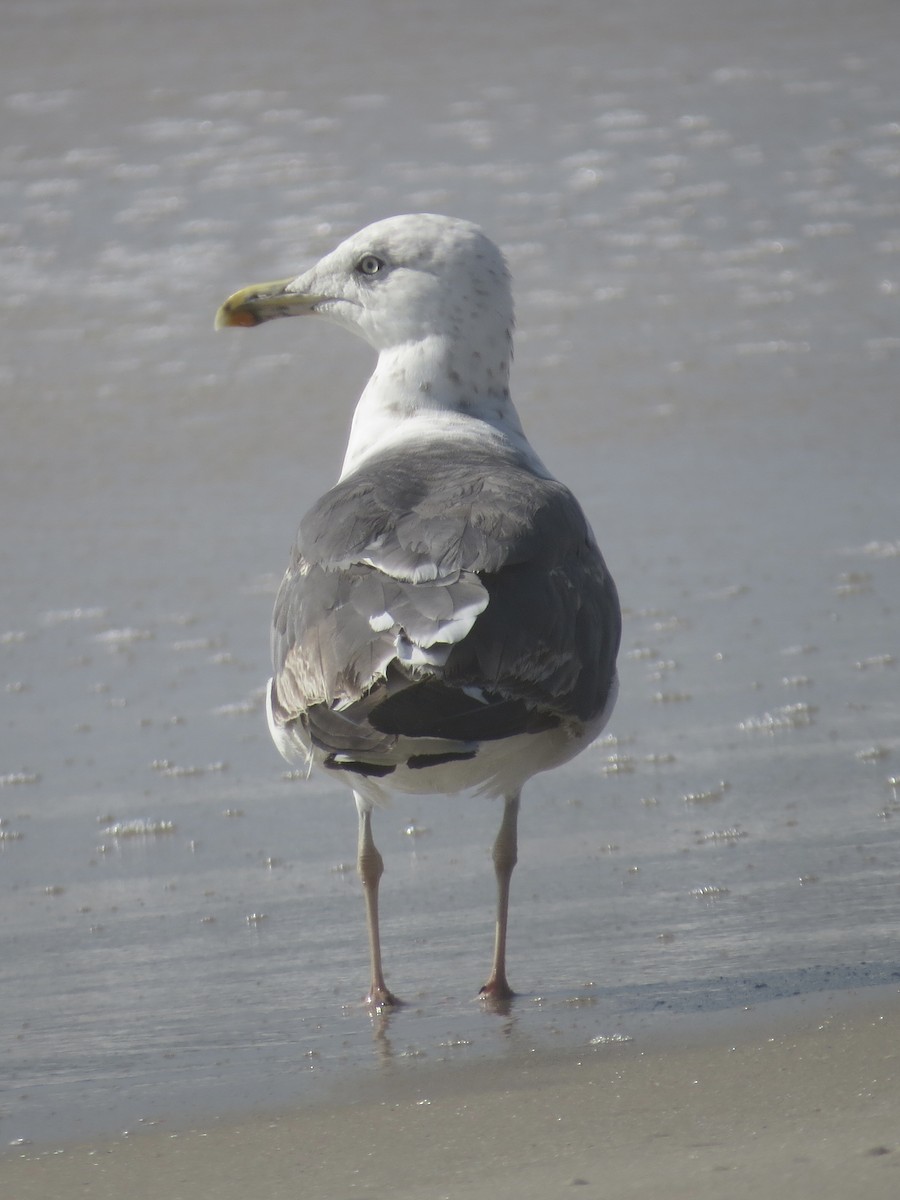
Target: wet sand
x=798, y=1099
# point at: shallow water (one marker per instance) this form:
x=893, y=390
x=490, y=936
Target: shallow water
x=702, y=216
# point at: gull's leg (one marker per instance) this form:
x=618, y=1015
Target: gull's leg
x=505, y=857
x=370, y=866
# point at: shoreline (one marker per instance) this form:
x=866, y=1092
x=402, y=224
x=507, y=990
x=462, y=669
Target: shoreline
x=800, y=1097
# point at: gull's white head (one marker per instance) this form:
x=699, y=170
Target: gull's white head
x=432, y=295
x=394, y=282
x=401, y=282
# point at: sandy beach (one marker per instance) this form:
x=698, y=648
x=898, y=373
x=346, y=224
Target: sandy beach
x=796, y=1099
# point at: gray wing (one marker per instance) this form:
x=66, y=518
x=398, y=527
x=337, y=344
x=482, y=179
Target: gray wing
x=442, y=596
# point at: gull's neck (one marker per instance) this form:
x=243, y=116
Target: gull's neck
x=436, y=388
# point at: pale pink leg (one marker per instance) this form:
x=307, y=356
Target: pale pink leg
x=505, y=857
x=370, y=866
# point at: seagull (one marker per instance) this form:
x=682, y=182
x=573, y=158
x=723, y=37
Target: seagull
x=446, y=623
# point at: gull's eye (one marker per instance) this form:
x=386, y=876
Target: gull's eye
x=369, y=265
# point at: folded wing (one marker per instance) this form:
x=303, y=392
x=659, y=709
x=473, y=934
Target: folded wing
x=436, y=599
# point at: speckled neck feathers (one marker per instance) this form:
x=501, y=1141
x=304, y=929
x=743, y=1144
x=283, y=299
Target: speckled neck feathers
x=432, y=295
